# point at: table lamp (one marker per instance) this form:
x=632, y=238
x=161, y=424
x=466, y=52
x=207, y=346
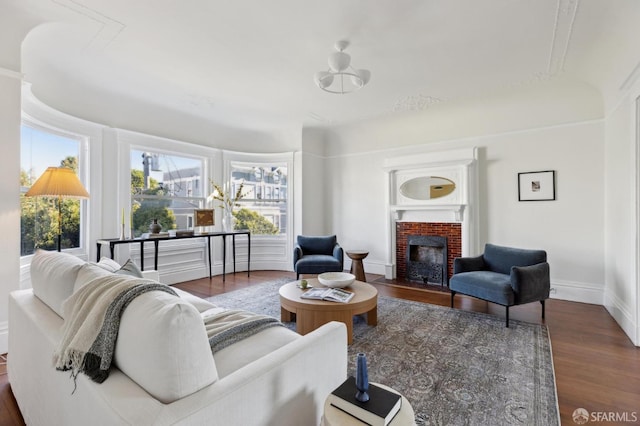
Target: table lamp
x=60, y=182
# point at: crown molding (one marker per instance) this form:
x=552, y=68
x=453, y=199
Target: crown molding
x=562, y=31
x=109, y=28
x=4, y=72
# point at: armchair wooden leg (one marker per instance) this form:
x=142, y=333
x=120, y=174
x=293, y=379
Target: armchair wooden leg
x=297, y=275
x=507, y=317
x=453, y=293
x=542, y=302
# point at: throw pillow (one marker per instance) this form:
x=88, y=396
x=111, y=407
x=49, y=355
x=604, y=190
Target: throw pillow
x=130, y=268
x=108, y=264
x=89, y=272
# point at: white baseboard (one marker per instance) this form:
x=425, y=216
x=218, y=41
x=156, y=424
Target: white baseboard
x=173, y=276
x=577, y=292
x=373, y=267
x=4, y=337
x=623, y=317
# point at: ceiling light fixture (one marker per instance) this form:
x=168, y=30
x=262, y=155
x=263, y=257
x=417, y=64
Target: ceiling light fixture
x=341, y=77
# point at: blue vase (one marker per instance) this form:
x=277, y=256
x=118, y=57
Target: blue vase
x=362, y=378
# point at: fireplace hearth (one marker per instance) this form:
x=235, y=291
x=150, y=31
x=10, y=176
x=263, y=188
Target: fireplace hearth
x=426, y=259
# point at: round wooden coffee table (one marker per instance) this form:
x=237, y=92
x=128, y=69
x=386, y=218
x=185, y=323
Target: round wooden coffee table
x=310, y=314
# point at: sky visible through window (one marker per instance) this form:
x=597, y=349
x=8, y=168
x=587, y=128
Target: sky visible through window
x=41, y=150
x=166, y=163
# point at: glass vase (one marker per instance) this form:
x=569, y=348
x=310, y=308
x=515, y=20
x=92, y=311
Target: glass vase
x=362, y=378
x=227, y=222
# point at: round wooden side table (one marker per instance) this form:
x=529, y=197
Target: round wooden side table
x=333, y=416
x=357, y=268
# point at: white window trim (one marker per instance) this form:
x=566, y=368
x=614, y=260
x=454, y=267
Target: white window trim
x=83, y=174
x=230, y=157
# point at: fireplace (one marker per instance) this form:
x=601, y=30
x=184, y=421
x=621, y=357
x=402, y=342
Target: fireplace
x=427, y=259
x=415, y=210
x=423, y=241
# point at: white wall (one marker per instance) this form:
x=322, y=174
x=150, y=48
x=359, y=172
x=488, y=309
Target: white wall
x=571, y=228
x=622, y=289
x=312, y=181
x=9, y=194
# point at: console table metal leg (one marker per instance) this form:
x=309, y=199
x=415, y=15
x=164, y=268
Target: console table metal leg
x=209, y=253
x=98, y=248
x=224, y=256
x=233, y=238
x=248, y=254
x=155, y=255
x=142, y=255
x=111, y=249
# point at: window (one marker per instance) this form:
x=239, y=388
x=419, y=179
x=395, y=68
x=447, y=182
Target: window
x=166, y=187
x=41, y=148
x=263, y=209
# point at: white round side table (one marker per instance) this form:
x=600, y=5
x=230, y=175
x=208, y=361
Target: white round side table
x=335, y=417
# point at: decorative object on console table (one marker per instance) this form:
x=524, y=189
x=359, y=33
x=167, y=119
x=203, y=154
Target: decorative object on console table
x=227, y=222
x=203, y=217
x=382, y=407
x=155, y=227
x=122, y=235
x=228, y=203
x=362, y=378
x=537, y=186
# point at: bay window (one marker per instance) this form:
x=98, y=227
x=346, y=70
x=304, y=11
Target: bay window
x=167, y=187
x=264, y=206
x=42, y=147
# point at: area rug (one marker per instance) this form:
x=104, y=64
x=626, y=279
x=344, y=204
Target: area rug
x=454, y=367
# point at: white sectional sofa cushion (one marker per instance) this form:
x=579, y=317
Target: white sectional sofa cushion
x=53, y=276
x=162, y=345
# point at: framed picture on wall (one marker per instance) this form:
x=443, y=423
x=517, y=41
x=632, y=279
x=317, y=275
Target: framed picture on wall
x=537, y=186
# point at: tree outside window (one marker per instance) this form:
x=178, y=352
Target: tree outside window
x=263, y=209
x=40, y=149
x=165, y=187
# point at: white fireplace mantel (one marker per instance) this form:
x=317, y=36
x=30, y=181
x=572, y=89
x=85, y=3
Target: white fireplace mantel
x=461, y=206
x=456, y=209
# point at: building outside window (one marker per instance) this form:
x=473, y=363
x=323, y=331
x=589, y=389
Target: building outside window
x=41, y=148
x=263, y=209
x=166, y=187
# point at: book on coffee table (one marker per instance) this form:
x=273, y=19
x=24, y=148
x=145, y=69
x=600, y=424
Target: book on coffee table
x=382, y=407
x=330, y=294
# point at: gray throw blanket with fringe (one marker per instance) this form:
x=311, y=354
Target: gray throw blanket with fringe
x=231, y=326
x=92, y=322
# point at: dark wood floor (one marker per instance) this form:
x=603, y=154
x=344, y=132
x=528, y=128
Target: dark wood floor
x=596, y=365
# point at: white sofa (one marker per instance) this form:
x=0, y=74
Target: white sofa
x=162, y=375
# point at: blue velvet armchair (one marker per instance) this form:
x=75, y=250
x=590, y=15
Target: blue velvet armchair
x=503, y=275
x=315, y=255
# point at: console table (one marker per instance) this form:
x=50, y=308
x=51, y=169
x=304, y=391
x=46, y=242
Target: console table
x=156, y=242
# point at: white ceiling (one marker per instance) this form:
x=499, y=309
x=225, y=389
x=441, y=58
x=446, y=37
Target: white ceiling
x=250, y=63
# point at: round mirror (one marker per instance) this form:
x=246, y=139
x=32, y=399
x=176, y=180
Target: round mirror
x=427, y=187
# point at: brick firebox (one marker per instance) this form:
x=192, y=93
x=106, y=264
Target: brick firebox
x=453, y=232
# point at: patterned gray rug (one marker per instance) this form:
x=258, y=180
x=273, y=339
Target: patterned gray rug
x=454, y=367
